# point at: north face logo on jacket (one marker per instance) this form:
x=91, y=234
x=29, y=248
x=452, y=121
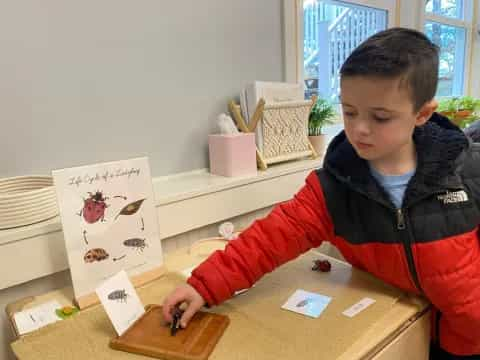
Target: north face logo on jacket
x=453, y=197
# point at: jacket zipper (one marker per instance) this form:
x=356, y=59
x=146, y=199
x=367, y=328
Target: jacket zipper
x=407, y=246
x=402, y=225
x=400, y=220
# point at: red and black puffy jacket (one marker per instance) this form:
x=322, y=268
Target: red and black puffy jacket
x=430, y=246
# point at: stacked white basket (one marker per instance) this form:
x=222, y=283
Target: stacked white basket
x=26, y=200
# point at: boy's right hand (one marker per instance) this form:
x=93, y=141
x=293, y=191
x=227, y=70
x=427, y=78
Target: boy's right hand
x=185, y=293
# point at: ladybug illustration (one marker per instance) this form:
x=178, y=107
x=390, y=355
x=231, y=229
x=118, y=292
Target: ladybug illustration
x=94, y=207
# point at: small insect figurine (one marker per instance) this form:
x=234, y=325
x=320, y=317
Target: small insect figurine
x=175, y=325
x=321, y=265
x=118, y=295
x=304, y=302
x=94, y=207
x=97, y=254
x=136, y=243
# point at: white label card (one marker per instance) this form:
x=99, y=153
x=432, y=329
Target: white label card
x=36, y=317
x=121, y=302
x=358, y=307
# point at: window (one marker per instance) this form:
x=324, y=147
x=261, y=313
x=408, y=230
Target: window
x=321, y=34
x=331, y=30
x=448, y=23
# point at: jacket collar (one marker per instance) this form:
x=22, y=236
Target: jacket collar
x=439, y=144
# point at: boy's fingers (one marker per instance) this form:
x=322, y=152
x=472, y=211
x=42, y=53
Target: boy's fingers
x=188, y=313
x=169, y=304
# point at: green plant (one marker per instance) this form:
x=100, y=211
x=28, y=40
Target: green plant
x=322, y=114
x=460, y=110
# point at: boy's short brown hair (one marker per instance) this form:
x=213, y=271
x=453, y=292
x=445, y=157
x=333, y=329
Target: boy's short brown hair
x=398, y=52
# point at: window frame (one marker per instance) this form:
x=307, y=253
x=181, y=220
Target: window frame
x=468, y=24
x=293, y=31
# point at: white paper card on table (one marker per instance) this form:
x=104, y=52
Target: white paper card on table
x=121, y=302
x=36, y=317
x=358, y=307
x=307, y=303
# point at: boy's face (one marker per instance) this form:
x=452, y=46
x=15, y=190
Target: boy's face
x=379, y=118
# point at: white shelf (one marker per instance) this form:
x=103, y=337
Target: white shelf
x=184, y=202
x=175, y=188
x=183, y=186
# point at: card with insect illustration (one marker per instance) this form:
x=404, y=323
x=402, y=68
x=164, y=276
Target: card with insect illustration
x=307, y=303
x=120, y=301
x=109, y=221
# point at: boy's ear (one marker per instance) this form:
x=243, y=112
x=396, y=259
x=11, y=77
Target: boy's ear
x=426, y=112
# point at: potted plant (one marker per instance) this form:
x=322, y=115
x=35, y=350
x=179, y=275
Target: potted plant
x=322, y=114
x=462, y=111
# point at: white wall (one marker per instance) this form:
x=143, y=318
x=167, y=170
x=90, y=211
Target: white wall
x=89, y=81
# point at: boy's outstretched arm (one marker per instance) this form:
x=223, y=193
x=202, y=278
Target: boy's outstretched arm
x=292, y=228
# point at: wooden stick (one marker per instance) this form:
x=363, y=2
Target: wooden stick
x=238, y=117
x=257, y=115
x=314, y=152
x=261, y=161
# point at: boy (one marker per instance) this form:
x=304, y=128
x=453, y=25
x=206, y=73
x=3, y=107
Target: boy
x=398, y=195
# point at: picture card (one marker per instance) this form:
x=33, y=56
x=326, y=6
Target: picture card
x=120, y=301
x=109, y=221
x=307, y=303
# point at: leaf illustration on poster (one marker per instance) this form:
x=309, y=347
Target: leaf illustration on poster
x=131, y=208
x=92, y=200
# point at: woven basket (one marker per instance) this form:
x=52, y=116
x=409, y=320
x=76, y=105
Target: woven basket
x=285, y=131
x=26, y=200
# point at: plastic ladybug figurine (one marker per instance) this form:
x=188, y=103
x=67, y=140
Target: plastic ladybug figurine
x=321, y=265
x=94, y=207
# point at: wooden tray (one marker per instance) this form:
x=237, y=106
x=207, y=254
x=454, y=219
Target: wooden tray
x=150, y=336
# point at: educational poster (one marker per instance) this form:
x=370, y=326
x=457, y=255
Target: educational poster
x=109, y=221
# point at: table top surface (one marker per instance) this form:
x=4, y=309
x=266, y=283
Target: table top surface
x=258, y=325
